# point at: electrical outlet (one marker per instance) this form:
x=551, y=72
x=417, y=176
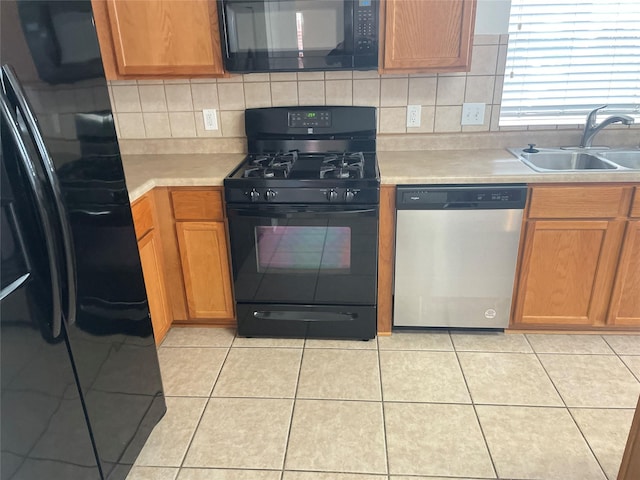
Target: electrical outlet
x=210, y=119
x=472, y=114
x=413, y=115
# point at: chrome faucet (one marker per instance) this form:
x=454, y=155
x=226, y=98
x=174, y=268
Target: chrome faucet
x=591, y=127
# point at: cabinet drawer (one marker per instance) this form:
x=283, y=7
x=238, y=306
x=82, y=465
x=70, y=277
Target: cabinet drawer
x=578, y=202
x=197, y=204
x=635, y=205
x=142, y=211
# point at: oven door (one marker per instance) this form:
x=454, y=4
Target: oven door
x=267, y=35
x=302, y=255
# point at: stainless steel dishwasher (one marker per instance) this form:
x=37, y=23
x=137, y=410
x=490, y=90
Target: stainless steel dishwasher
x=456, y=253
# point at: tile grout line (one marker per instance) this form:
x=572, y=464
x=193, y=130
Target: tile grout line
x=208, y=401
x=620, y=358
x=293, y=409
x=567, y=408
x=384, y=420
x=475, y=411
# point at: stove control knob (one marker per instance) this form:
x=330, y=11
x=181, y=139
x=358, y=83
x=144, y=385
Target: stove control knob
x=254, y=195
x=270, y=195
x=332, y=195
x=349, y=195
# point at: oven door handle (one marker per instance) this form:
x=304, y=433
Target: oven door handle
x=284, y=212
x=303, y=316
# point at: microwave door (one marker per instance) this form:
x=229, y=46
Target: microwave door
x=288, y=35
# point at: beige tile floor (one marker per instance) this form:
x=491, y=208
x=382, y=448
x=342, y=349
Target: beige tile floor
x=407, y=407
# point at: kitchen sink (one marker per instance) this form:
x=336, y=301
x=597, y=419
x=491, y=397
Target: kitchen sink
x=627, y=159
x=565, y=160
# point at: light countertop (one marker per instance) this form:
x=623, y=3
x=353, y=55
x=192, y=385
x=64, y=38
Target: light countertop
x=478, y=166
x=143, y=172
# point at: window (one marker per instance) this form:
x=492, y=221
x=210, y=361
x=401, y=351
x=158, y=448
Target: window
x=567, y=57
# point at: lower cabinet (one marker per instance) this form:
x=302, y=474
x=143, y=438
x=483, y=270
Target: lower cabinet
x=205, y=266
x=579, y=260
x=566, y=270
x=200, y=227
x=625, y=299
x=152, y=261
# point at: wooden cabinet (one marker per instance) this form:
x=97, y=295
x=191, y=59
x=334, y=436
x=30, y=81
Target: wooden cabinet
x=151, y=259
x=566, y=268
x=168, y=38
x=580, y=260
x=204, y=256
x=426, y=35
x=625, y=299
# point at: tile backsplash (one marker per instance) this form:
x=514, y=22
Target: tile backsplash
x=172, y=109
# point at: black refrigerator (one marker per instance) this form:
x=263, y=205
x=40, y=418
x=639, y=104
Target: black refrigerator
x=80, y=384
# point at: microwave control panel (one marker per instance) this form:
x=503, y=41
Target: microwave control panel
x=366, y=25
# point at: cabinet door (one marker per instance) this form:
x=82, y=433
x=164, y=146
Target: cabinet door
x=165, y=37
x=151, y=260
x=427, y=35
x=625, y=300
x=205, y=266
x=567, y=272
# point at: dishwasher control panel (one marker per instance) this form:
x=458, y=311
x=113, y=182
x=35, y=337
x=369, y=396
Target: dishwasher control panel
x=468, y=197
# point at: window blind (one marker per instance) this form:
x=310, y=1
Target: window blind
x=566, y=57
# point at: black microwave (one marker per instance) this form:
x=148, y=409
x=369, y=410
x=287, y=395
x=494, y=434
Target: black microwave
x=295, y=35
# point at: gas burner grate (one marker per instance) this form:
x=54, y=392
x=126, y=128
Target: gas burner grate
x=343, y=165
x=271, y=165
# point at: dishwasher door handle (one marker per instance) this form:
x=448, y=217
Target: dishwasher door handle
x=460, y=206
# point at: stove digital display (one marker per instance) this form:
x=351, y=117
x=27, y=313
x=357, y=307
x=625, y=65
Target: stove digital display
x=309, y=118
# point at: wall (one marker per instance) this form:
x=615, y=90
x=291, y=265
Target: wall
x=169, y=112
x=173, y=108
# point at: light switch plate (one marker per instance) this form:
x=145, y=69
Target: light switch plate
x=413, y=115
x=210, y=119
x=472, y=114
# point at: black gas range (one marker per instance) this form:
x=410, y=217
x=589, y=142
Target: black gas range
x=308, y=155
x=303, y=223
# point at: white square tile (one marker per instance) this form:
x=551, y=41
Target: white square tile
x=241, y=433
x=199, y=337
x=168, y=443
x=421, y=376
x=337, y=436
x=537, y=443
x=592, y=380
x=508, y=379
x=190, y=371
x=259, y=372
x=345, y=374
x=429, y=439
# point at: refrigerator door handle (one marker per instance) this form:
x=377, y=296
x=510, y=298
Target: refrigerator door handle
x=54, y=186
x=13, y=286
x=41, y=202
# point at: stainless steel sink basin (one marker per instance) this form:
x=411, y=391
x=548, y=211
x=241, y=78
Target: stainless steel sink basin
x=557, y=160
x=627, y=159
x=573, y=160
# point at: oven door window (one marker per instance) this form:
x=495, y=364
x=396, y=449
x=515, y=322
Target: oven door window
x=305, y=258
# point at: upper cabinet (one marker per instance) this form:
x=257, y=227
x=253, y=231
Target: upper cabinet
x=426, y=35
x=158, y=38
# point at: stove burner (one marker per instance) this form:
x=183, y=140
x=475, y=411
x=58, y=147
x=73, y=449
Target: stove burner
x=345, y=165
x=271, y=165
